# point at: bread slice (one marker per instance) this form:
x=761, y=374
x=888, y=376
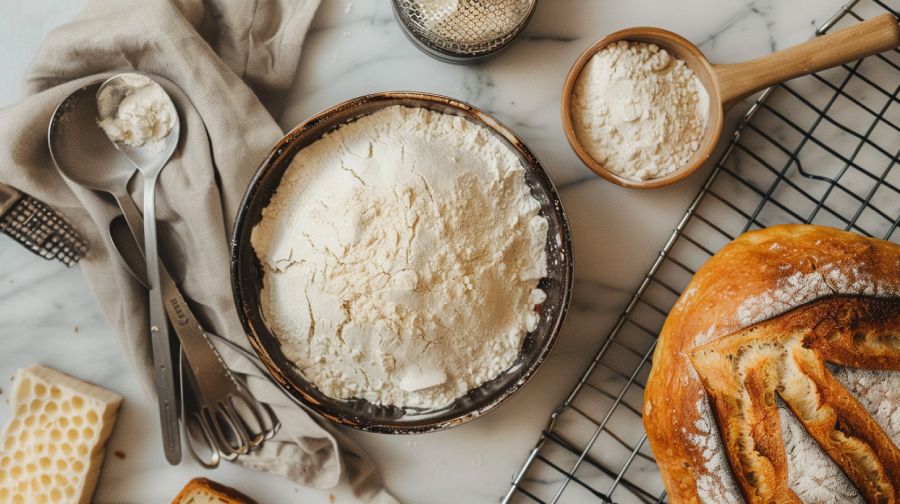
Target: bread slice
x=52, y=448
x=204, y=491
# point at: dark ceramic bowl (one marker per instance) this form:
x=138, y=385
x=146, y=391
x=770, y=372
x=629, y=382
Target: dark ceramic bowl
x=247, y=274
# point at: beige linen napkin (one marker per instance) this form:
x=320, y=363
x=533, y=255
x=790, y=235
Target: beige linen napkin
x=222, y=54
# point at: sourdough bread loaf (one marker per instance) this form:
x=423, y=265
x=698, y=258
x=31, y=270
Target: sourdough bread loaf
x=776, y=377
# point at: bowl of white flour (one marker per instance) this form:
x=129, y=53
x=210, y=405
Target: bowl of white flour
x=401, y=263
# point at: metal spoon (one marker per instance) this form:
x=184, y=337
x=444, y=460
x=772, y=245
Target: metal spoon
x=150, y=161
x=83, y=153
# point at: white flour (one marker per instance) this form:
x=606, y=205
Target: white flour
x=812, y=474
x=403, y=253
x=878, y=392
x=717, y=485
x=144, y=116
x=638, y=111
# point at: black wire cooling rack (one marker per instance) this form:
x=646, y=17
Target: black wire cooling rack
x=820, y=149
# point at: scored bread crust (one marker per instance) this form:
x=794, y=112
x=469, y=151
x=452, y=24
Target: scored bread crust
x=752, y=326
x=200, y=486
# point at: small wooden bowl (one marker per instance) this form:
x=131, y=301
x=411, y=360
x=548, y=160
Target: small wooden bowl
x=679, y=48
x=728, y=84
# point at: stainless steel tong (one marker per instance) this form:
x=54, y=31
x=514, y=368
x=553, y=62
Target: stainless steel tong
x=236, y=424
x=217, y=409
x=220, y=417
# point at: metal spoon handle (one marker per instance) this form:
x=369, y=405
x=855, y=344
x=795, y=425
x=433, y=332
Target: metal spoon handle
x=200, y=361
x=132, y=218
x=163, y=370
x=159, y=334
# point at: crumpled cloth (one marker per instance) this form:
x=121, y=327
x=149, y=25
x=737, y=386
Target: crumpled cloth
x=232, y=62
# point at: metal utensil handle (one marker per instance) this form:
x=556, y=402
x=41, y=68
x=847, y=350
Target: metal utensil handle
x=220, y=385
x=193, y=428
x=216, y=385
x=208, y=367
x=166, y=395
x=163, y=370
x=193, y=338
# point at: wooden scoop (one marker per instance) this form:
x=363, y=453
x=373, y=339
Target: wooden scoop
x=728, y=84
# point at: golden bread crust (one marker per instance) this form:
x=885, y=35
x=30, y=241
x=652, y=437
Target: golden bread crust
x=759, y=320
x=225, y=494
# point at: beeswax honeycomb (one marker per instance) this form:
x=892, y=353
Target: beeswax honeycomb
x=52, y=447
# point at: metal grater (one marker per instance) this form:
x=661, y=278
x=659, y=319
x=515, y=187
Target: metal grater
x=821, y=149
x=39, y=228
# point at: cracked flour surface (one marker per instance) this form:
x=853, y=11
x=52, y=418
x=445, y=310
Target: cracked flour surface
x=403, y=253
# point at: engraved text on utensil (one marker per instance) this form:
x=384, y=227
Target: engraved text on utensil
x=181, y=317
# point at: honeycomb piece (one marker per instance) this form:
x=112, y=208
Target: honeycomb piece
x=52, y=448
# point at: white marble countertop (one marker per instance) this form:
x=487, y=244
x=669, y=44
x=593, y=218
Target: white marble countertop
x=48, y=315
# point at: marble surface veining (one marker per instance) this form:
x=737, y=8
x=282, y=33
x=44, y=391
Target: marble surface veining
x=355, y=47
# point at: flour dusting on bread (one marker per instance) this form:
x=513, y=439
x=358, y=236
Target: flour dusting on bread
x=800, y=288
x=717, y=484
x=879, y=394
x=811, y=474
x=814, y=476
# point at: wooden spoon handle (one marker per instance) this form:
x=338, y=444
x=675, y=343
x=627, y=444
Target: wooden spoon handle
x=739, y=80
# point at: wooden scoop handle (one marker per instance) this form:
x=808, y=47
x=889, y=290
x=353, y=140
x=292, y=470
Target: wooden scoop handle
x=739, y=80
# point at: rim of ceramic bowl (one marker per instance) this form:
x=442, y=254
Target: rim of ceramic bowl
x=246, y=272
